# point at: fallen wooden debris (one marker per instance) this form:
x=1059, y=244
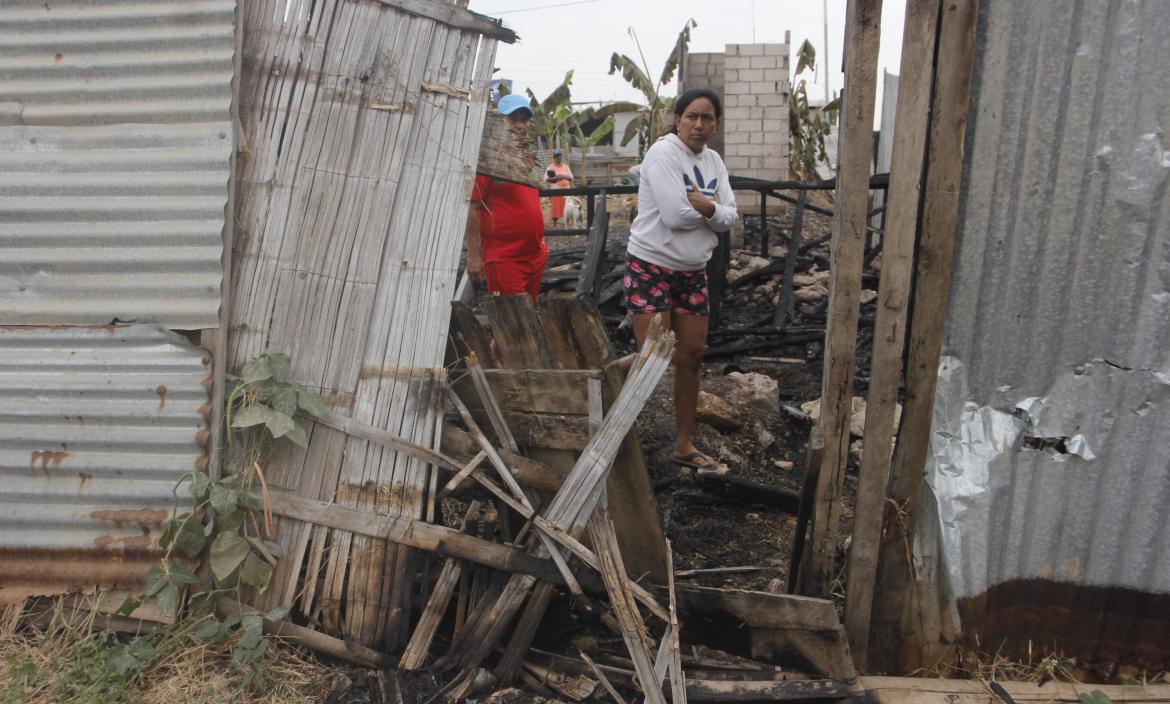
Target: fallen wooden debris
x=506, y=154
x=603, y=679
x=314, y=640
x=678, y=690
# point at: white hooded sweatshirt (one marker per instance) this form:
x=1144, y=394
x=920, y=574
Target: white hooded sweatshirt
x=669, y=231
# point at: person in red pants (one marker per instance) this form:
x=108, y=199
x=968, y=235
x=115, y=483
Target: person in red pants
x=505, y=226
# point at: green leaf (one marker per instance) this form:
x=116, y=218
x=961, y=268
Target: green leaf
x=156, y=579
x=806, y=57
x=190, y=539
x=280, y=365
x=255, y=414
x=251, y=638
x=167, y=538
x=1095, y=697
x=128, y=606
x=258, y=369
x=278, y=614
x=180, y=572
x=143, y=650
x=209, y=630
x=223, y=500
x=274, y=548
x=633, y=128
x=298, y=436
x=122, y=663
x=230, y=523
x=284, y=400
x=255, y=572
x=200, y=485
x=633, y=74
x=228, y=551
x=168, y=600
x=231, y=621
x=310, y=402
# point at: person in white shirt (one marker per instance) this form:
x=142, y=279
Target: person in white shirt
x=684, y=199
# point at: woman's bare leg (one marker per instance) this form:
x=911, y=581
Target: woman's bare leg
x=690, y=345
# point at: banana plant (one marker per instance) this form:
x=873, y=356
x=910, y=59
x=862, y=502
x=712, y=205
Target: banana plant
x=655, y=115
x=807, y=128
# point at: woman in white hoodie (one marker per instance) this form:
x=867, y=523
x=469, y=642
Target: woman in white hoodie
x=684, y=198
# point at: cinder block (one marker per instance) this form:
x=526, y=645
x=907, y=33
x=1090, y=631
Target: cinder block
x=764, y=87
x=729, y=101
x=731, y=50
x=771, y=100
x=749, y=74
x=731, y=138
x=738, y=113
x=777, y=49
x=758, y=113
x=776, y=74
x=736, y=88
x=764, y=61
x=737, y=62
x=751, y=49
x=774, y=125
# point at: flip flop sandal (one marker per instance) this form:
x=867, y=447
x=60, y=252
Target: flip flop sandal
x=691, y=460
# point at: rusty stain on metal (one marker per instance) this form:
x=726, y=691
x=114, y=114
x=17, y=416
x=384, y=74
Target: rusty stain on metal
x=162, y=396
x=144, y=517
x=83, y=477
x=47, y=457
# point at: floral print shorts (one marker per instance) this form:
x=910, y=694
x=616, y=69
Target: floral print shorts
x=653, y=289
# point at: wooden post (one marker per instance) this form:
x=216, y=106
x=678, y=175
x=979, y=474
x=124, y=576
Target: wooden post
x=764, y=224
x=589, y=282
x=890, y=328
x=590, y=204
x=785, y=307
x=899, y=638
x=862, y=32
x=717, y=277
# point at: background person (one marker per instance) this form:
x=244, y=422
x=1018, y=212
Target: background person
x=505, y=225
x=684, y=199
x=561, y=176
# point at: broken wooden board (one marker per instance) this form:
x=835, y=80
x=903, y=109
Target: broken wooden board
x=505, y=154
x=772, y=627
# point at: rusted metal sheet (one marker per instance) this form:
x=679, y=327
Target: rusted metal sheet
x=1049, y=469
x=97, y=425
x=115, y=147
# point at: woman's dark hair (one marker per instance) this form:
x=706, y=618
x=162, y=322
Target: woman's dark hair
x=683, y=101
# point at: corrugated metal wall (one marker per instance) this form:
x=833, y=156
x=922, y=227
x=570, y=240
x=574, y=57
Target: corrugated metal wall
x=115, y=161
x=115, y=147
x=97, y=425
x=1049, y=456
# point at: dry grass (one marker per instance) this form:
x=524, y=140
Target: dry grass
x=989, y=667
x=68, y=662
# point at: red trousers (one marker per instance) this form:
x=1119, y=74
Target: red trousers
x=509, y=278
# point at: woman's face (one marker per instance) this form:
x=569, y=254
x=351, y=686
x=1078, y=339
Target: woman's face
x=697, y=124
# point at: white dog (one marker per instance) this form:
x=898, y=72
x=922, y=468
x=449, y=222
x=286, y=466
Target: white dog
x=574, y=212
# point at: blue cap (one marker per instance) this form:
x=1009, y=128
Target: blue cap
x=511, y=103
x=558, y=152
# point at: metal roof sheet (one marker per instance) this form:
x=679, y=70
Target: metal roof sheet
x=115, y=154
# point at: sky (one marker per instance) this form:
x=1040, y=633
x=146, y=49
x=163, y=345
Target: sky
x=558, y=35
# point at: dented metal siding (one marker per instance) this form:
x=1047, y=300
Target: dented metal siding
x=97, y=425
x=1049, y=458
x=115, y=147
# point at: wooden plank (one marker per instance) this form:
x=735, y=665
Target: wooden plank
x=576, y=331
x=460, y=447
x=416, y=650
x=548, y=431
x=797, y=574
x=313, y=640
x=896, y=595
x=505, y=154
x=469, y=337
x=557, y=391
x=625, y=609
x=455, y=16
x=717, y=267
x=678, y=688
x=910, y=690
x=890, y=326
x=786, y=306
x=518, y=334
x=767, y=690
x=424, y=536
x=589, y=282
x=570, y=509
x=862, y=32
x=760, y=609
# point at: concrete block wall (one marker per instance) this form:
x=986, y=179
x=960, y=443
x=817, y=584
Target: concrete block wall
x=705, y=70
x=755, y=105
